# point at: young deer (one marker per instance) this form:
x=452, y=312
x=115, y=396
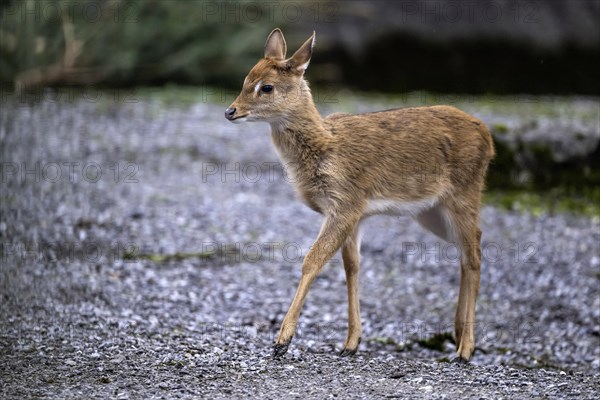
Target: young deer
x=427, y=162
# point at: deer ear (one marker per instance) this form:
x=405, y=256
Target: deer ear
x=299, y=61
x=275, y=46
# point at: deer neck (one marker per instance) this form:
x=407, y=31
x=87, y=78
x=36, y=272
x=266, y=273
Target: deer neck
x=301, y=138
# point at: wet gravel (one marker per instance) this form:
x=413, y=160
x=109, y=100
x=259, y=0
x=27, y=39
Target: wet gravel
x=152, y=251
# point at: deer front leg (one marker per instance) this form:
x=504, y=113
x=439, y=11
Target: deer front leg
x=333, y=232
x=351, y=257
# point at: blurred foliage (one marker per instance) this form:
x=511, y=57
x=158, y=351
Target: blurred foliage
x=125, y=42
x=362, y=45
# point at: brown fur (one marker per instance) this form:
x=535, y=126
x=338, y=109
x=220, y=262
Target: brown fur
x=432, y=160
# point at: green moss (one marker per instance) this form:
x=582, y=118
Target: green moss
x=406, y=346
x=383, y=340
x=499, y=129
x=501, y=171
x=526, y=177
x=538, y=363
x=173, y=363
x=551, y=202
x=388, y=341
x=7, y=200
x=162, y=258
x=437, y=341
x=186, y=96
x=177, y=96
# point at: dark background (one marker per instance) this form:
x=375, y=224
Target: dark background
x=513, y=46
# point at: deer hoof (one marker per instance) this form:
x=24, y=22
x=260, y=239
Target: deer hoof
x=348, y=352
x=279, y=350
x=460, y=360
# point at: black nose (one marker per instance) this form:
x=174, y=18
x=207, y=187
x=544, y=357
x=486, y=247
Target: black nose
x=229, y=113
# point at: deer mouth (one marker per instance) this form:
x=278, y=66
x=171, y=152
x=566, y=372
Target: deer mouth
x=239, y=118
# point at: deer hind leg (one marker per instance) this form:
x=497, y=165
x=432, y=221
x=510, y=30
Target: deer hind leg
x=333, y=233
x=351, y=257
x=464, y=218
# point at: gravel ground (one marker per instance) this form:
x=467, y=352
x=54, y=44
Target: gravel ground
x=152, y=252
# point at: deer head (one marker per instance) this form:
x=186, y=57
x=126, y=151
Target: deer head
x=275, y=87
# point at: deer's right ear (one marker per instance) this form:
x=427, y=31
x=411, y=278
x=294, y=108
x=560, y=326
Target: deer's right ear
x=275, y=46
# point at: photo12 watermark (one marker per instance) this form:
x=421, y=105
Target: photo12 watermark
x=72, y=10
x=69, y=171
x=68, y=251
x=468, y=12
x=88, y=93
x=291, y=172
x=288, y=12
x=92, y=251
x=491, y=252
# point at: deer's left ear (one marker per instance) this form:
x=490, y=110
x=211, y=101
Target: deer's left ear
x=299, y=61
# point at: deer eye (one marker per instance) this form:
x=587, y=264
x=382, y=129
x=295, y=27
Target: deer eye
x=266, y=89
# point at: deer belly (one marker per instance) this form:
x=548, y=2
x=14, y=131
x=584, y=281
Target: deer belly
x=399, y=207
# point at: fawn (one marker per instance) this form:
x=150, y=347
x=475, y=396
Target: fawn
x=426, y=162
